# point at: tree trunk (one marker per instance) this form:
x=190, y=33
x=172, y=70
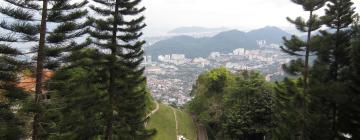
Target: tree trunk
x=40, y=67
x=335, y=78
x=306, y=75
x=111, y=90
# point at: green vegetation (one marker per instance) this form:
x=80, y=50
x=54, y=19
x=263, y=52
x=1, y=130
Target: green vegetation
x=320, y=101
x=186, y=124
x=28, y=24
x=103, y=84
x=150, y=103
x=98, y=90
x=233, y=105
x=321, y=96
x=164, y=123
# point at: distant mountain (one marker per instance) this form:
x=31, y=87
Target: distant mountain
x=194, y=29
x=269, y=33
x=224, y=42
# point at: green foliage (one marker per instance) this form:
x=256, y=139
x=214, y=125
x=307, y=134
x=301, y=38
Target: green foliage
x=79, y=97
x=164, y=123
x=105, y=84
x=23, y=25
x=287, y=109
x=248, y=108
x=241, y=110
x=330, y=73
x=352, y=112
x=295, y=45
x=326, y=99
x=12, y=125
x=11, y=98
x=186, y=124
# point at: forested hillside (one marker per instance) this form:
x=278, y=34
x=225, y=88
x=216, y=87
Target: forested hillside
x=234, y=105
x=84, y=77
x=319, y=101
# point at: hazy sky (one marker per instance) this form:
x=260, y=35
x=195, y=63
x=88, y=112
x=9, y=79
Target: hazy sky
x=164, y=15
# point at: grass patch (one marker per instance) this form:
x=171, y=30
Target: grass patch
x=164, y=122
x=186, y=125
x=150, y=103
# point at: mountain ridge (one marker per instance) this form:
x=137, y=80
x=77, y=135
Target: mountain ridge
x=224, y=42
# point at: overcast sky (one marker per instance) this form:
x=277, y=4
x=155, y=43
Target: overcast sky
x=164, y=15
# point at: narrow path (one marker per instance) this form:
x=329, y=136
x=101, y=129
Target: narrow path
x=200, y=130
x=202, y=134
x=152, y=112
x=176, y=123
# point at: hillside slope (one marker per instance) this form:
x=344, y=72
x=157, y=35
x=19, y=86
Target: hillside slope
x=168, y=128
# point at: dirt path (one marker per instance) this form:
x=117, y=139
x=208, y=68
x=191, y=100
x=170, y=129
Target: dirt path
x=176, y=123
x=200, y=130
x=152, y=112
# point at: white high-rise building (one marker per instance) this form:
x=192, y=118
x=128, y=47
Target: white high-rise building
x=261, y=43
x=167, y=57
x=178, y=56
x=161, y=58
x=148, y=59
x=214, y=54
x=239, y=51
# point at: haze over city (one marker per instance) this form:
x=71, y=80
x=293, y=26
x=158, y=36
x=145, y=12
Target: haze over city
x=165, y=15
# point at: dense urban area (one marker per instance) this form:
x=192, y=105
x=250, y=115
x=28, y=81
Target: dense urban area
x=170, y=77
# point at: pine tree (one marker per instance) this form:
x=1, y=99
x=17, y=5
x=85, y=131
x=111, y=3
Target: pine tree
x=352, y=113
x=11, y=125
x=295, y=46
x=27, y=27
x=287, y=109
x=79, y=90
x=330, y=71
x=117, y=35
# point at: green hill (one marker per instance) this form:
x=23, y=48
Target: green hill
x=186, y=125
x=167, y=127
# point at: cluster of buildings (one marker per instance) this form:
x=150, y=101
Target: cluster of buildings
x=172, y=76
x=170, y=91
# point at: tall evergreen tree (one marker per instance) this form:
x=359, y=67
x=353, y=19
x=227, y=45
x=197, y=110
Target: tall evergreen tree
x=331, y=68
x=28, y=26
x=297, y=47
x=248, y=108
x=351, y=125
x=117, y=35
x=287, y=109
x=79, y=90
x=11, y=125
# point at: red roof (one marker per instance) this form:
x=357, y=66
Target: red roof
x=28, y=82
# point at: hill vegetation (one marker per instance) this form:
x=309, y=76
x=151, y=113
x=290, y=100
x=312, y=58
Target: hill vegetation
x=317, y=102
x=165, y=124
x=233, y=105
x=98, y=89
